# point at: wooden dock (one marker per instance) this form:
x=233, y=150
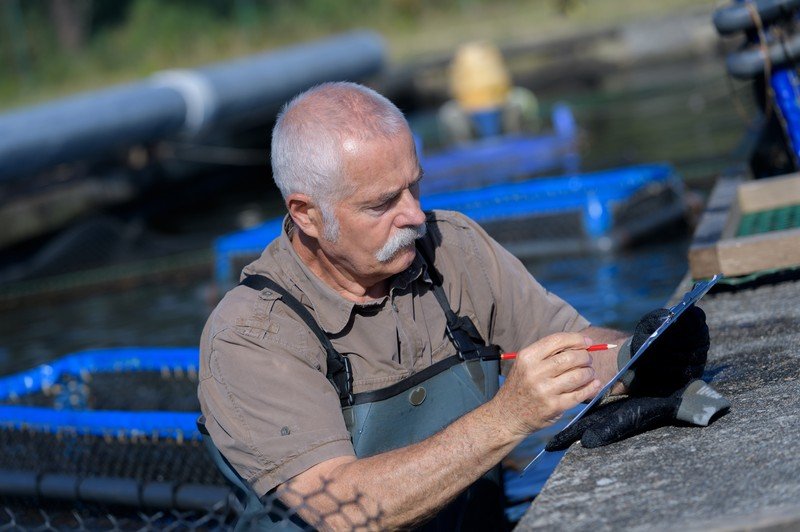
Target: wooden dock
x=740, y=473
x=748, y=227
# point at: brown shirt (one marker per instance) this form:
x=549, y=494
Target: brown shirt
x=270, y=409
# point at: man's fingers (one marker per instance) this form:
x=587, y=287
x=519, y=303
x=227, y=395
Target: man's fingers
x=566, y=361
x=571, y=389
x=554, y=344
x=566, y=341
x=573, y=380
x=582, y=394
x=549, y=377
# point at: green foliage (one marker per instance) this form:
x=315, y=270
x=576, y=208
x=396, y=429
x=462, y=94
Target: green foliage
x=128, y=39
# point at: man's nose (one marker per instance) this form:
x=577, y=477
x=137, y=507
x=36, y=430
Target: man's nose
x=411, y=211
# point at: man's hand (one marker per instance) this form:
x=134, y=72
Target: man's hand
x=672, y=360
x=549, y=377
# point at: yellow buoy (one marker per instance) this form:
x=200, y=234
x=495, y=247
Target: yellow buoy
x=479, y=79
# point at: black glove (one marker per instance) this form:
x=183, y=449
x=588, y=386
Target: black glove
x=696, y=404
x=672, y=360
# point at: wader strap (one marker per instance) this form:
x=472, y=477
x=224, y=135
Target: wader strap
x=339, y=372
x=460, y=329
x=466, y=338
x=407, y=383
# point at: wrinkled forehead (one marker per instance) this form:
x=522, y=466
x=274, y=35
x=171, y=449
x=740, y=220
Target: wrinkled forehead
x=379, y=163
x=362, y=141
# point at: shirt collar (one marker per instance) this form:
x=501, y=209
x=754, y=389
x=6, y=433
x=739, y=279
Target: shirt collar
x=417, y=270
x=330, y=309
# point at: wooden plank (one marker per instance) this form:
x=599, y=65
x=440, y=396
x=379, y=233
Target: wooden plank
x=734, y=218
x=703, y=260
x=765, y=251
x=767, y=194
x=716, y=248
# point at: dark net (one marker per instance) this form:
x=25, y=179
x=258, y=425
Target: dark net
x=143, y=459
x=60, y=479
x=36, y=513
x=168, y=390
x=57, y=478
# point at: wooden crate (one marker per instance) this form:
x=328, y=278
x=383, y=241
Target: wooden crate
x=716, y=248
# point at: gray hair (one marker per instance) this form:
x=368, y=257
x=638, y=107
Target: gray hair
x=309, y=133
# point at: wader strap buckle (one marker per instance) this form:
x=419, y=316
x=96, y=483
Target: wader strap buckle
x=460, y=330
x=340, y=374
x=460, y=338
x=348, y=372
x=468, y=341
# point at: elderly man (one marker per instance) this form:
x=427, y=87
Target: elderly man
x=353, y=373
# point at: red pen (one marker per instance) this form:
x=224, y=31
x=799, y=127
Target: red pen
x=595, y=347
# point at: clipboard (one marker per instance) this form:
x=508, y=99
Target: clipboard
x=689, y=298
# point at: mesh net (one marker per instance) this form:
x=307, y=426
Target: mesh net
x=781, y=219
x=167, y=390
x=65, y=477
x=36, y=513
x=143, y=459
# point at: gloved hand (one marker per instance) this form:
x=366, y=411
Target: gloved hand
x=696, y=404
x=672, y=360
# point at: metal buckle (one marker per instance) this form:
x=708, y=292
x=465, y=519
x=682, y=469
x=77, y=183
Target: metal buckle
x=348, y=372
x=455, y=341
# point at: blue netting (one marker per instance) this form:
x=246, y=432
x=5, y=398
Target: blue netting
x=80, y=367
x=507, y=201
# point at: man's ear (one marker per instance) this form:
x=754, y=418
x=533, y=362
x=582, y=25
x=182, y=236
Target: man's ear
x=305, y=214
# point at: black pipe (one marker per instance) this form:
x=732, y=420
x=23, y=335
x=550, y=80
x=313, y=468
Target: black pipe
x=737, y=17
x=225, y=97
x=117, y=491
x=750, y=61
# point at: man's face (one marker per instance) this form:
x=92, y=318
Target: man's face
x=380, y=218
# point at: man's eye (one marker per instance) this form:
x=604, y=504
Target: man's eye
x=382, y=207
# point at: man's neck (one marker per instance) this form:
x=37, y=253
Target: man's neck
x=312, y=255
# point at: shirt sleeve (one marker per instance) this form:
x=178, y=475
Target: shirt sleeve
x=270, y=409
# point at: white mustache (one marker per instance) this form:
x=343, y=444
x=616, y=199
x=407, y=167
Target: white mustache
x=401, y=239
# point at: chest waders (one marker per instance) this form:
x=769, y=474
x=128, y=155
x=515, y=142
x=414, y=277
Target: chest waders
x=399, y=415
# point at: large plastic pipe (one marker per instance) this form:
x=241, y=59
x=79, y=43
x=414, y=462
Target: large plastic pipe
x=751, y=62
x=737, y=16
x=114, y=490
x=222, y=97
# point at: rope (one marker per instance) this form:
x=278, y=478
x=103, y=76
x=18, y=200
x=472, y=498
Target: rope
x=737, y=99
x=762, y=41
